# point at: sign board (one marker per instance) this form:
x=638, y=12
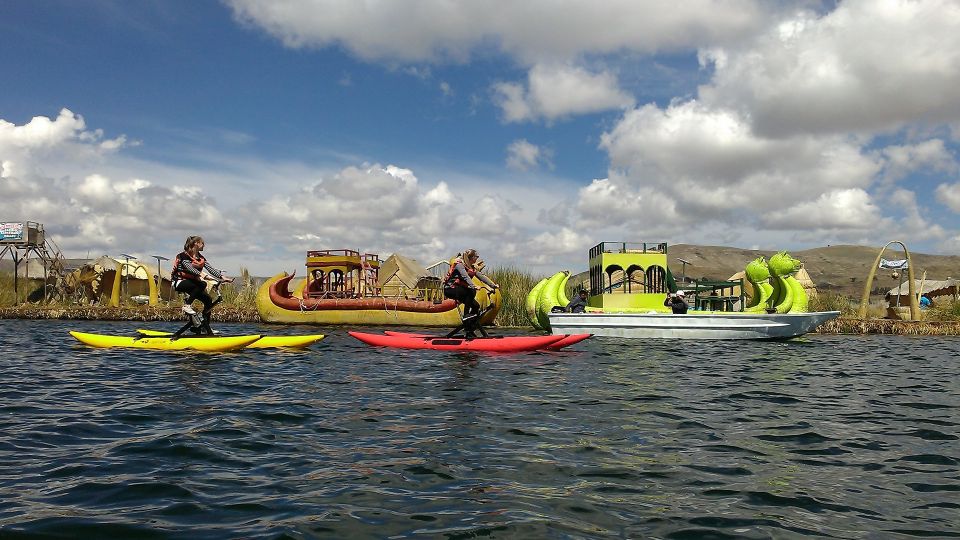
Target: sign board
x=23, y=233
x=14, y=232
x=900, y=264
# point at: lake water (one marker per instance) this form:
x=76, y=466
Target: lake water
x=828, y=436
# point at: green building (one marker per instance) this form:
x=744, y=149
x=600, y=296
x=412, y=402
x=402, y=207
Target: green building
x=629, y=276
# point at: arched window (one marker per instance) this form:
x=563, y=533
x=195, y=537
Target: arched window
x=656, y=279
x=615, y=277
x=635, y=280
x=336, y=280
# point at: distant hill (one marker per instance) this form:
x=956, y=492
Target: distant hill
x=834, y=269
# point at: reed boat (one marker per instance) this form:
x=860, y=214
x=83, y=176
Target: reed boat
x=344, y=286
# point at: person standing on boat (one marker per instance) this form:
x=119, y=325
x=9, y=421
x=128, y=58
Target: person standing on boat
x=459, y=285
x=579, y=303
x=190, y=269
x=676, y=303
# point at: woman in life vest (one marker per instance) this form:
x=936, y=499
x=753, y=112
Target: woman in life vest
x=189, y=270
x=459, y=285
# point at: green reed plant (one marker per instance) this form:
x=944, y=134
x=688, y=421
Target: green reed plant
x=28, y=290
x=6, y=290
x=515, y=284
x=242, y=293
x=943, y=310
x=833, y=302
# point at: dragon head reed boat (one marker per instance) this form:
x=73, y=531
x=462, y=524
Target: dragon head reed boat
x=630, y=282
x=345, y=286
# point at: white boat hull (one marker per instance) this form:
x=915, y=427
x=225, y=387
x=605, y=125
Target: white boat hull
x=736, y=325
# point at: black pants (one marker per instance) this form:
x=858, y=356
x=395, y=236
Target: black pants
x=466, y=296
x=195, y=290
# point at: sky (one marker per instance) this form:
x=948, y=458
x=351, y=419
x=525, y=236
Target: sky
x=529, y=131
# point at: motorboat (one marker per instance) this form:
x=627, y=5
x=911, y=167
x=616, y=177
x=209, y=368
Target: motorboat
x=693, y=325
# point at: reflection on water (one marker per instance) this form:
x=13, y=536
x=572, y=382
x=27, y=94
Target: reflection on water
x=847, y=437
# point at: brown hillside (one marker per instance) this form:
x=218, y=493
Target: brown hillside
x=837, y=269
x=834, y=269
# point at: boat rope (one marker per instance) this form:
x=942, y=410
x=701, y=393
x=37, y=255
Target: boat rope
x=396, y=305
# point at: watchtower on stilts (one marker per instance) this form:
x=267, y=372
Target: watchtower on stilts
x=21, y=239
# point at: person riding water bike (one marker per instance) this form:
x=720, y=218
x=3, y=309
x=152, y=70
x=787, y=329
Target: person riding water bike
x=190, y=274
x=459, y=285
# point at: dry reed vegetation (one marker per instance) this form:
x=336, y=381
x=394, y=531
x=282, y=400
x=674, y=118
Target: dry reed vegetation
x=239, y=305
x=944, y=310
x=889, y=326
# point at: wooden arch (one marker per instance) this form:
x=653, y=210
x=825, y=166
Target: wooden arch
x=914, y=308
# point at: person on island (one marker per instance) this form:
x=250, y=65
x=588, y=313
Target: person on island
x=579, y=303
x=190, y=274
x=925, y=302
x=677, y=303
x=459, y=285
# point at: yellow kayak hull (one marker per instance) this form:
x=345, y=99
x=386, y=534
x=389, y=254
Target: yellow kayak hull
x=203, y=344
x=265, y=342
x=271, y=342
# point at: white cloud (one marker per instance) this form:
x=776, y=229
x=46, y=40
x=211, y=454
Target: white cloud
x=556, y=91
x=100, y=214
x=868, y=65
x=549, y=246
x=41, y=131
x=522, y=155
x=531, y=31
x=949, y=195
x=808, y=115
x=606, y=201
x=260, y=215
x=711, y=165
x=839, y=209
x=47, y=177
x=511, y=99
x=914, y=223
x=27, y=149
x=381, y=208
x=930, y=155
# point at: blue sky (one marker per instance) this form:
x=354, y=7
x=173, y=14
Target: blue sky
x=529, y=131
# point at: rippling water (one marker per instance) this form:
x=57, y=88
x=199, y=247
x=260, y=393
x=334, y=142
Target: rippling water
x=830, y=436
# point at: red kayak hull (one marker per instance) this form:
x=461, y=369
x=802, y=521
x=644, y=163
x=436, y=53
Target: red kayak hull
x=493, y=344
x=567, y=339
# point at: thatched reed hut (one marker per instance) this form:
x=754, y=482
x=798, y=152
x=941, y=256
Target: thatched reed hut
x=898, y=298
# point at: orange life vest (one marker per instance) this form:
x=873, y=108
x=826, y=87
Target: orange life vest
x=198, y=262
x=454, y=279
